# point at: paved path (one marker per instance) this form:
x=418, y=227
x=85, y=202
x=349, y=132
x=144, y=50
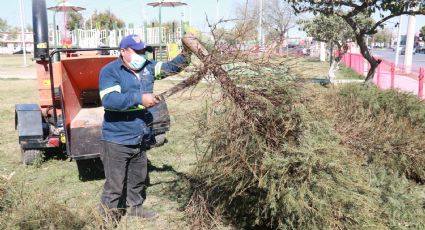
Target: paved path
x=403, y=83
x=18, y=72
x=418, y=59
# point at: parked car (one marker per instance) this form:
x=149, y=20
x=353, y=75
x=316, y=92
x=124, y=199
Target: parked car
x=21, y=52
x=420, y=50
x=403, y=51
x=394, y=48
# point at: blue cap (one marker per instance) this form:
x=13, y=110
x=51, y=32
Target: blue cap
x=133, y=41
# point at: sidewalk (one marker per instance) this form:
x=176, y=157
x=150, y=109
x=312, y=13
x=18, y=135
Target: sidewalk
x=28, y=73
x=401, y=82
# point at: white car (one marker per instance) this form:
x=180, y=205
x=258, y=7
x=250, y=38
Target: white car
x=403, y=51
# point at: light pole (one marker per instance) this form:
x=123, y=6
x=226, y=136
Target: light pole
x=160, y=30
x=260, y=31
x=217, y=14
x=410, y=40
x=55, y=29
x=24, y=49
x=397, y=50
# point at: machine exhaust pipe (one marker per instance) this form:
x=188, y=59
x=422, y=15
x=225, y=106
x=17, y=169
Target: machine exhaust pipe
x=40, y=28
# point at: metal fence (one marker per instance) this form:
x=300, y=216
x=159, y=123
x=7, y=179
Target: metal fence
x=95, y=38
x=388, y=75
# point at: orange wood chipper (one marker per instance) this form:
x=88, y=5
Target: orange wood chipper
x=69, y=116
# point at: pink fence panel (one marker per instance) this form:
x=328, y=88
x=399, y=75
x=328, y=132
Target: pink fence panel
x=388, y=75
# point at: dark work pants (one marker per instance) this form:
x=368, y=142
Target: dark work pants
x=125, y=172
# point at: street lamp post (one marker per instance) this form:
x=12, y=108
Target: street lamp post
x=410, y=42
x=24, y=51
x=160, y=30
x=217, y=14
x=397, y=50
x=54, y=29
x=260, y=33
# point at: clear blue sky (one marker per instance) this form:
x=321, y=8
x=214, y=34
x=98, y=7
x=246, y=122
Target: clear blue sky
x=131, y=11
x=136, y=11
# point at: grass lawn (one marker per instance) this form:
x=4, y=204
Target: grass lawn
x=56, y=182
x=313, y=68
x=347, y=73
x=53, y=191
x=14, y=60
x=11, y=66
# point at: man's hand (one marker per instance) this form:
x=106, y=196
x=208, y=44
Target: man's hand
x=149, y=100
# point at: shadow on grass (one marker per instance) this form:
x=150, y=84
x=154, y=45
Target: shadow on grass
x=90, y=169
x=54, y=154
x=178, y=190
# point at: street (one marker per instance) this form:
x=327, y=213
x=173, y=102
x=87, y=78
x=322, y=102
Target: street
x=418, y=59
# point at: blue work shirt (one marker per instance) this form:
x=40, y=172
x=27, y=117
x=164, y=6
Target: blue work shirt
x=121, y=93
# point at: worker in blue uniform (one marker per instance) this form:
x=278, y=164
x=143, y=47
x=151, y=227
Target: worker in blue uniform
x=126, y=91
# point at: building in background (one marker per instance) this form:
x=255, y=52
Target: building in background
x=12, y=42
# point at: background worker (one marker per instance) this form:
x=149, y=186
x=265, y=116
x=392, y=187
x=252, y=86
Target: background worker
x=126, y=91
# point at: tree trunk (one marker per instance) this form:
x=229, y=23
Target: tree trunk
x=363, y=49
x=335, y=62
x=331, y=72
x=366, y=54
x=281, y=40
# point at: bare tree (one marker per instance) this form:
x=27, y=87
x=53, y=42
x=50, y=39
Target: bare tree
x=279, y=17
x=247, y=15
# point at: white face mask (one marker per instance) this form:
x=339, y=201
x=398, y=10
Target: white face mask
x=137, y=61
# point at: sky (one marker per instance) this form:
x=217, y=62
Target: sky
x=136, y=11
x=131, y=11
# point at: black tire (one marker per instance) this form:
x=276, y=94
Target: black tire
x=29, y=156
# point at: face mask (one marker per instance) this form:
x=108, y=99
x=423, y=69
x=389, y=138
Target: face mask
x=137, y=61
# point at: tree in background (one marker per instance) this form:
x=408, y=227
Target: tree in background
x=74, y=20
x=246, y=23
x=13, y=33
x=279, y=17
x=28, y=28
x=3, y=25
x=332, y=30
x=166, y=25
x=105, y=20
x=353, y=13
x=383, y=36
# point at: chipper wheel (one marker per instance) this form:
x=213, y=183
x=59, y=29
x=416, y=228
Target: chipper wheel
x=29, y=156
